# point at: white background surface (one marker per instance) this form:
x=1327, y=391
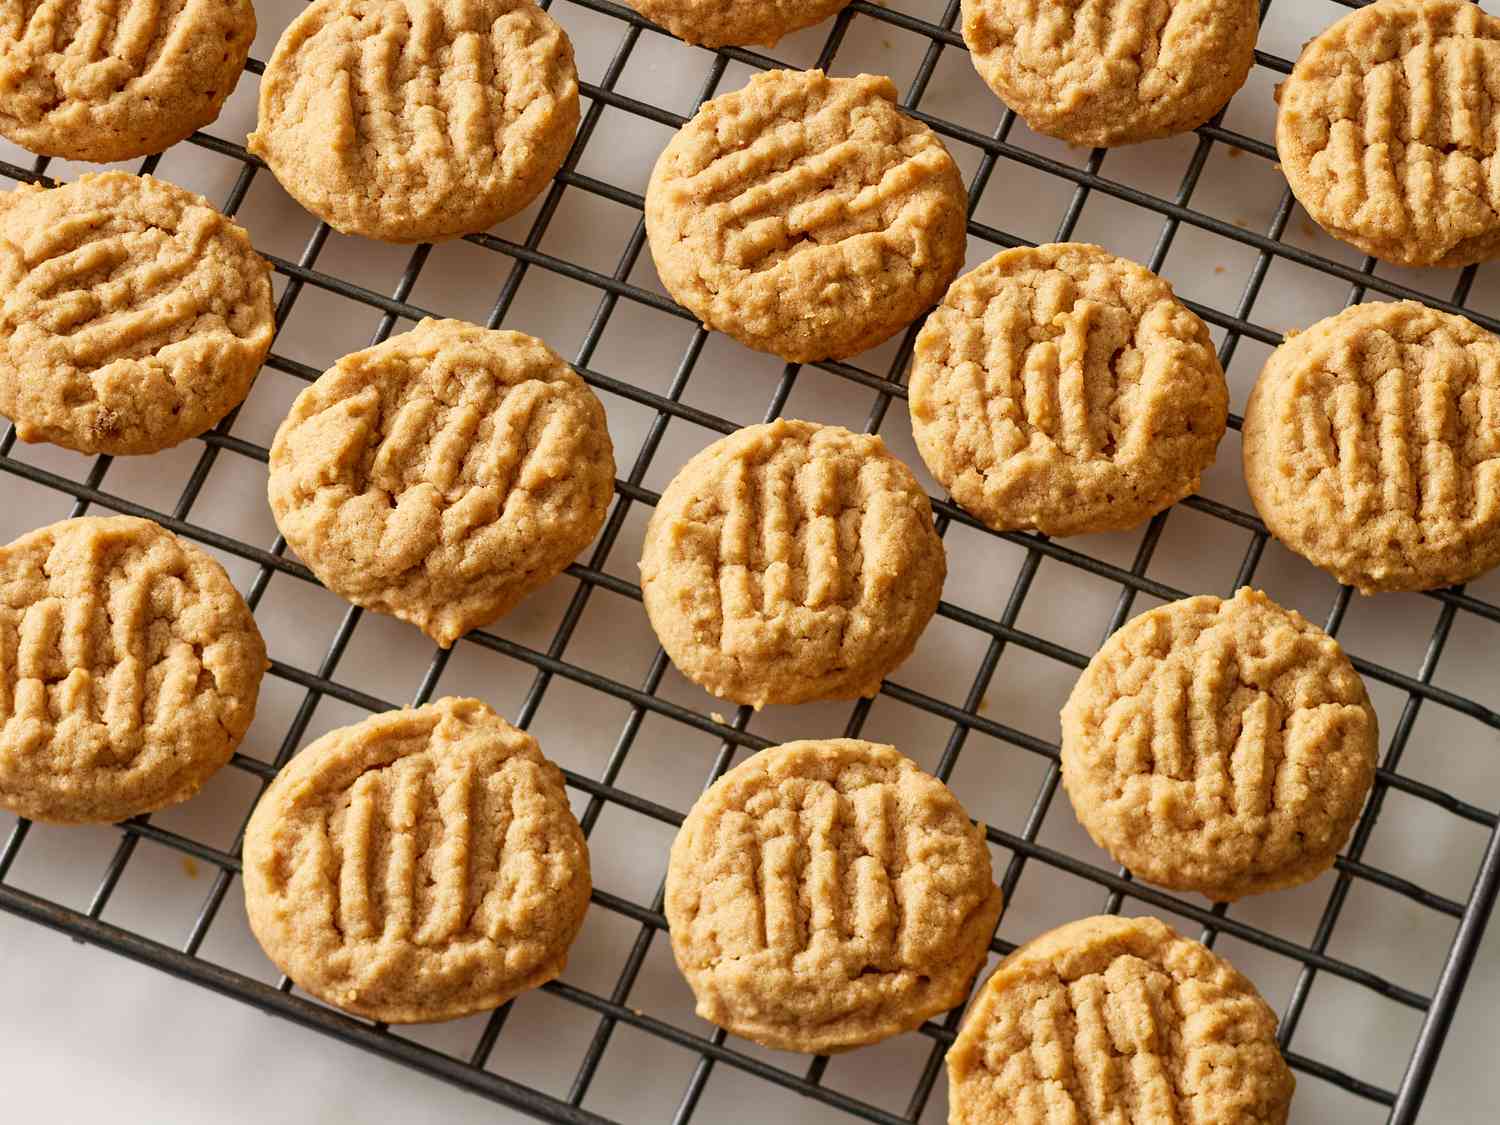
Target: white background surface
x=88, y=1033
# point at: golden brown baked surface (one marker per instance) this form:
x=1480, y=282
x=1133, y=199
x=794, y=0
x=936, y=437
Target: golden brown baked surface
x=720, y=23
x=420, y=865
x=823, y=895
x=411, y=121
x=806, y=216
x=1372, y=447
x=129, y=670
x=112, y=81
x=1066, y=390
x=790, y=562
x=1112, y=1020
x=1112, y=72
x=1384, y=131
x=1220, y=746
x=443, y=475
x=133, y=315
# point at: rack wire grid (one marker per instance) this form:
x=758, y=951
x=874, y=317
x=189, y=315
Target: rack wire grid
x=1192, y=195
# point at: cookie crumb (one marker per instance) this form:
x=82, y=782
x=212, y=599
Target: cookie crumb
x=190, y=867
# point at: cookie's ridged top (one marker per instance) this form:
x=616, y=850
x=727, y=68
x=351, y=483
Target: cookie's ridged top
x=1109, y=1020
x=420, y=865
x=129, y=670
x=1384, y=131
x=443, y=474
x=789, y=562
x=1372, y=446
x=1110, y=72
x=719, y=23
x=133, y=315
x=822, y=895
x=112, y=81
x=414, y=121
x=1063, y=389
x=805, y=215
x=1220, y=746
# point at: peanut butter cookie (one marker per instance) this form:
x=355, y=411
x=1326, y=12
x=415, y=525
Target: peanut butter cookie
x=789, y=562
x=443, y=475
x=421, y=865
x=1065, y=390
x=1117, y=1020
x=1384, y=131
x=113, y=81
x=413, y=121
x=824, y=895
x=1372, y=447
x=133, y=315
x=129, y=670
x=806, y=216
x=724, y=23
x=1220, y=746
x=1116, y=72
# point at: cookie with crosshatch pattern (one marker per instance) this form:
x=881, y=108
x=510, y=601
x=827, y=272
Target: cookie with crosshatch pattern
x=103, y=82
x=1116, y=72
x=824, y=895
x=1385, y=131
x=416, y=121
x=806, y=216
x=1062, y=389
x=129, y=670
x=421, y=865
x=442, y=475
x=790, y=562
x=1372, y=446
x=133, y=315
x=1119, y=1020
x=1220, y=746
x=723, y=23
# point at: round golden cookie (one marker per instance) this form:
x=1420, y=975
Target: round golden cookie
x=825, y=895
x=1384, y=131
x=1217, y=746
x=790, y=562
x=1112, y=72
x=1372, y=447
x=721, y=23
x=133, y=315
x=806, y=216
x=1065, y=390
x=421, y=865
x=129, y=670
x=1119, y=1020
x=443, y=475
x=112, y=81
x=414, y=120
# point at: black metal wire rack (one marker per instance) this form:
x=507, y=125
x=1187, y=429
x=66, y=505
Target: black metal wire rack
x=1019, y=841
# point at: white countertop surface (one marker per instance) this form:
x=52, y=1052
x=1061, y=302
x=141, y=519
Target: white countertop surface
x=88, y=1033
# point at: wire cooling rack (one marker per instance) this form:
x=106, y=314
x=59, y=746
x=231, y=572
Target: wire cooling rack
x=1208, y=210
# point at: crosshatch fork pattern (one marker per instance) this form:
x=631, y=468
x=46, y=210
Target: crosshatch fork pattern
x=1402, y=1093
